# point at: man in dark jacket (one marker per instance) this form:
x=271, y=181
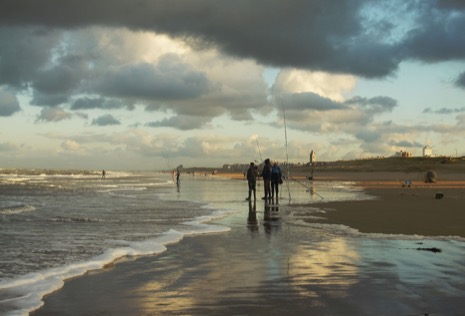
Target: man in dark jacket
x=252, y=174
x=266, y=175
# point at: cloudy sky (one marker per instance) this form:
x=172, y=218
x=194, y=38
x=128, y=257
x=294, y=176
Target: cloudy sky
x=143, y=84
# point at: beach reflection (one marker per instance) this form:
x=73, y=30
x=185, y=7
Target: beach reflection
x=331, y=263
x=165, y=300
x=252, y=221
x=271, y=216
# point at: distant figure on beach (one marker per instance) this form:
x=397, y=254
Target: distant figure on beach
x=252, y=174
x=103, y=174
x=276, y=180
x=430, y=177
x=178, y=174
x=266, y=175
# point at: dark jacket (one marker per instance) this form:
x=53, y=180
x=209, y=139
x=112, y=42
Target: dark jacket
x=276, y=175
x=252, y=174
x=266, y=172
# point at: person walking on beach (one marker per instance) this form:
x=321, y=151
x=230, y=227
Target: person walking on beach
x=266, y=175
x=276, y=180
x=178, y=174
x=103, y=174
x=252, y=174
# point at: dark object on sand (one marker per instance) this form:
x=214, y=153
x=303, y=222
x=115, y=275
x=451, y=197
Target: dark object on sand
x=430, y=177
x=439, y=196
x=434, y=249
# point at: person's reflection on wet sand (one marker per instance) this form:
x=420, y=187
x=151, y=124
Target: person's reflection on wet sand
x=270, y=216
x=252, y=221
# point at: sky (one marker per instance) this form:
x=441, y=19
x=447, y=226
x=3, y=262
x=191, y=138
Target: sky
x=153, y=84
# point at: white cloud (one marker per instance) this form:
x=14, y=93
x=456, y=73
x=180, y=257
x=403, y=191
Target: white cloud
x=70, y=145
x=332, y=86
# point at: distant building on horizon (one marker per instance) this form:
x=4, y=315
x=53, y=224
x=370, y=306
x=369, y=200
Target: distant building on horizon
x=312, y=157
x=427, y=151
x=403, y=154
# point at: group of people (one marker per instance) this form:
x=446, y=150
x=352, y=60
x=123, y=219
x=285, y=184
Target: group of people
x=272, y=178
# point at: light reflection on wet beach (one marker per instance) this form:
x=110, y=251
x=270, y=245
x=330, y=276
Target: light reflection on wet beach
x=273, y=261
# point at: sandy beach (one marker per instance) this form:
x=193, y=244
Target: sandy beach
x=409, y=211
x=267, y=265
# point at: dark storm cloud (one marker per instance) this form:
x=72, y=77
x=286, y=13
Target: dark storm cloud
x=317, y=113
x=8, y=103
x=460, y=82
x=374, y=105
x=315, y=102
x=56, y=84
x=335, y=36
x=105, y=120
x=170, y=79
x=438, y=36
x=445, y=110
x=99, y=103
x=309, y=101
x=23, y=52
x=407, y=144
x=452, y=4
x=181, y=122
x=368, y=136
x=53, y=115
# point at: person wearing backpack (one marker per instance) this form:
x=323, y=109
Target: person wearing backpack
x=276, y=180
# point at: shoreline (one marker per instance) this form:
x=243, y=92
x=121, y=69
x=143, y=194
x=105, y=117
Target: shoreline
x=265, y=265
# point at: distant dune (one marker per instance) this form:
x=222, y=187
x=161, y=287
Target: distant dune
x=413, y=168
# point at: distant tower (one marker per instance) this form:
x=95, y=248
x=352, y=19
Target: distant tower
x=312, y=157
x=427, y=151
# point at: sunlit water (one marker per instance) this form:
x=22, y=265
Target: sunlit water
x=57, y=226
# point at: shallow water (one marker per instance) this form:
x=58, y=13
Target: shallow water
x=56, y=226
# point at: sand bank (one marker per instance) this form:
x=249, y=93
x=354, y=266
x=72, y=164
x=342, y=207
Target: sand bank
x=410, y=211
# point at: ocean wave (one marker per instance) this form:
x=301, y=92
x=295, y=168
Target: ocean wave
x=24, y=294
x=74, y=219
x=18, y=174
x=11, y=208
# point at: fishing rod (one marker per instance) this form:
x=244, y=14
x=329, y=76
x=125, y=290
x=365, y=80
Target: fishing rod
x=287, y=153
x=308, y=189
x=287, y=159
x=259, y=151
x=165, y=155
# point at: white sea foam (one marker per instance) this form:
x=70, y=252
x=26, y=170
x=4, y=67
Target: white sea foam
x=10, y=208
x=23, y=295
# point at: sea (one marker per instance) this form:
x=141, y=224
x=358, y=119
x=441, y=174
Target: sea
x=60, y=224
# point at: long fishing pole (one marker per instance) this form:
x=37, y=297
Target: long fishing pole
x=308, y=188
x=287, y=153
x=259, y=151
x=165, y=154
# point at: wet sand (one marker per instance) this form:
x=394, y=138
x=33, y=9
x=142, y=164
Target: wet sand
x=413, y=208
x=435, y=210
x=267, y=264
